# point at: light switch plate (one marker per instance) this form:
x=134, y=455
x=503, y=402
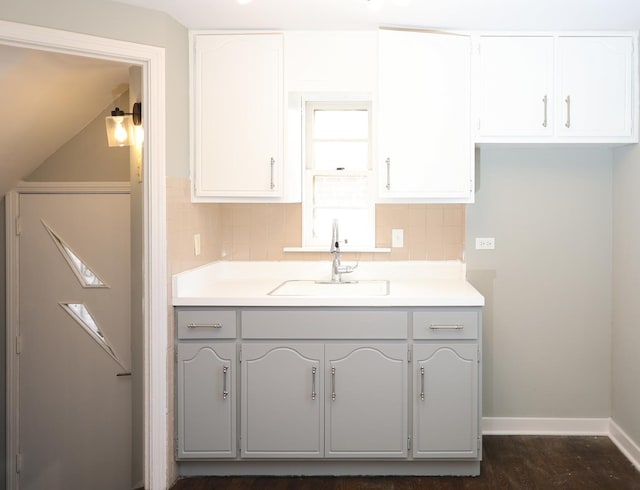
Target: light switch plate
x=196, y=244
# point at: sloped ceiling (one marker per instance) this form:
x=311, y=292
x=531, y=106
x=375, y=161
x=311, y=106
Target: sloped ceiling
x=356, y=14
x=47, y=98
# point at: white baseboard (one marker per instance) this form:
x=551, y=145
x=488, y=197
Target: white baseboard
x=545, y=426
x=629, y=448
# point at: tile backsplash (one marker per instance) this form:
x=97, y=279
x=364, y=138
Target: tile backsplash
x=261, y=231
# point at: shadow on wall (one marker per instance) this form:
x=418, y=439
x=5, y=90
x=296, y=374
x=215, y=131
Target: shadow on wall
x=483, y=281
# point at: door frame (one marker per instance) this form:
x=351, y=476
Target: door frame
x=151, y=59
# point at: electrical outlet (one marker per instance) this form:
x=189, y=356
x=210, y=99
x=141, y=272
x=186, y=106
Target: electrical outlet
x=196, y=244
x=487, y=243
x=397, y=238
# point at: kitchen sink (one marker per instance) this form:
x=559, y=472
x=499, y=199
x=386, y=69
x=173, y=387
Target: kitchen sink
x=363, y=288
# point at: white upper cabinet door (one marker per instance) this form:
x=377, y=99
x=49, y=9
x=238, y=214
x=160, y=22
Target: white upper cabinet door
x=516, y=86
x=282, y=403
x=366, y=395
x=595, y=86
x=425, y=151
x=238, y=106
x=331, y=61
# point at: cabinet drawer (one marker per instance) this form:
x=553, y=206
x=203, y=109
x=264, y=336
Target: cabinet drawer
x=445, y=324
x=206, y=324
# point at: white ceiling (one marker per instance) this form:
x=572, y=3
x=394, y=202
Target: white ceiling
x=355, y=14
x=47, y=98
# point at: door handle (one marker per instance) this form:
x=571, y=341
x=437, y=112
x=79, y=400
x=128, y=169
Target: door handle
x=333, y=384
x=313, y=383
x=123, y=374
x=568, y=101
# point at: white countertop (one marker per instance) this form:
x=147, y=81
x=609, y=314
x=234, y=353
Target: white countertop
x=239, y=283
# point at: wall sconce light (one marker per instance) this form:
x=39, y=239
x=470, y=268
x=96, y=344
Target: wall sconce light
x=120, y=125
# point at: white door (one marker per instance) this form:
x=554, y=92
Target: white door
x=595, y=86
x=282, y=412
x=366, y=399
x=516, y=86
x=74, y=404
x=425, y=148
x=238, y=115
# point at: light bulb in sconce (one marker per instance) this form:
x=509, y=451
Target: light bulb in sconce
x=244, y=2
x=119, y=132
x=120, y=126
x=402, y=3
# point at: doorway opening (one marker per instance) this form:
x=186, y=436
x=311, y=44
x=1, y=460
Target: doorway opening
x=150, y=59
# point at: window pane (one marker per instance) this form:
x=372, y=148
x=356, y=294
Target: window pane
x=340, y=191
x=344, y=124
x=330, y=155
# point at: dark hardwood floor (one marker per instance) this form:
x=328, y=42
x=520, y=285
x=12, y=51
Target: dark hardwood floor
x=509, y=462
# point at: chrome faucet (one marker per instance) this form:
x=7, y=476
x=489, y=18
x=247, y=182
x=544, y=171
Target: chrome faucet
x=337, y=269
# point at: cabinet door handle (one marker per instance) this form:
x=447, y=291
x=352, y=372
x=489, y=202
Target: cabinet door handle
x=422, y=383
x=388, y=162
x=313, y=383
x=333, y=384
x=204, y=325
x=568, y=101
x=273, y=163
x=225, y=391
x=446, y=327
x=544, y=101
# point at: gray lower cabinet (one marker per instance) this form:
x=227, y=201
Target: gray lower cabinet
x=282, y=409
x=281, y=386
x=206, y=401
x=367, y=401
x=445, y=415
x=299, y=397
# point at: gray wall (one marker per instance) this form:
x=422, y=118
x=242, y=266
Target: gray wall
x=626, y=288
x=87, y=157
x=547, y=321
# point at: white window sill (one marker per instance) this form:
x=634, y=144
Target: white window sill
x=342, y=249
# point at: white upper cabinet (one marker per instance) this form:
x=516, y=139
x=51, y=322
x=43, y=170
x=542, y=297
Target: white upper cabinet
x=516, y=86
x=237, y=104
x=556, y=89
x=595, y=80
x=425, y=151
x=331, y=61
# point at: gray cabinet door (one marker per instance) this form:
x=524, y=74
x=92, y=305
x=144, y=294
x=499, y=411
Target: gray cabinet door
x=282, y=411
x=206, y=400
x=366, y=397
x=445, y=415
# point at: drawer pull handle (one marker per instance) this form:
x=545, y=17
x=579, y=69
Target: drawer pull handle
x=313, y=383
x=422, y=383
x=544, y=101
x=225, y=391
x=446, y=327
x=333, y=384
x=204, y=325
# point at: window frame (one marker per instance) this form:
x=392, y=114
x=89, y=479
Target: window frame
x=367, y=240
